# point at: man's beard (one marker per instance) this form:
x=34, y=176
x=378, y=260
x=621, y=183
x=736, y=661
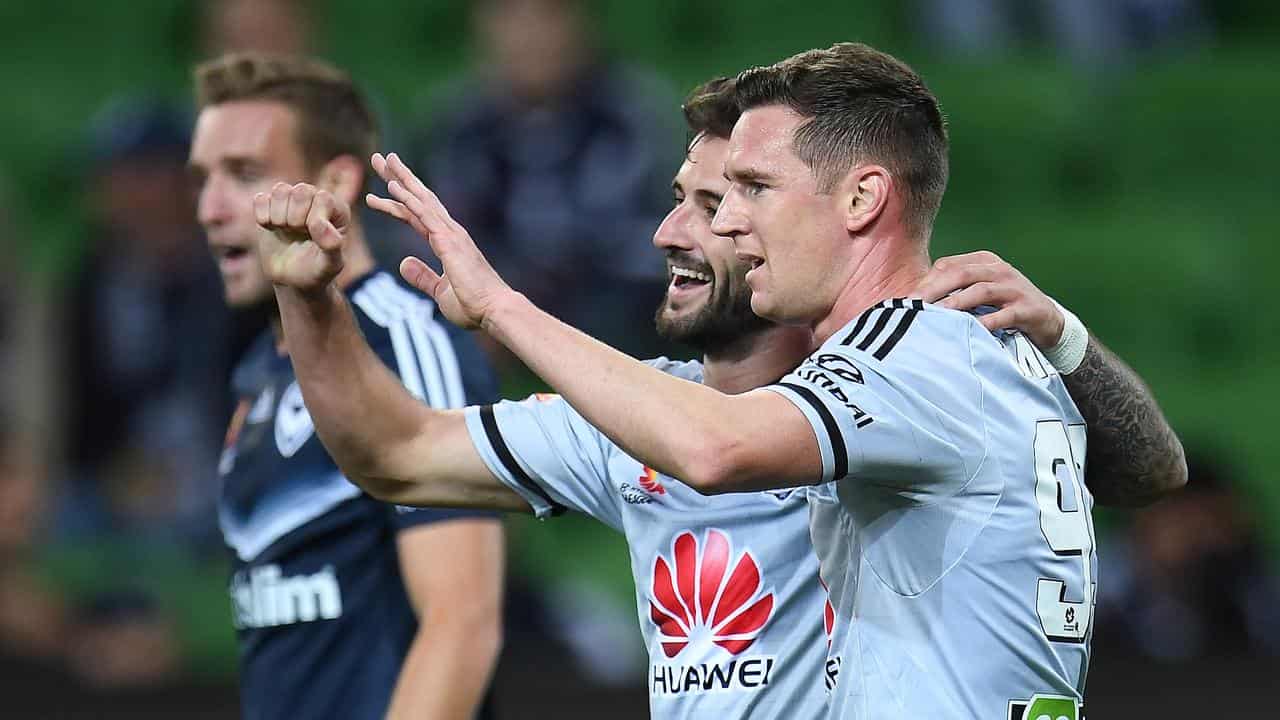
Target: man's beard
x=726, y=319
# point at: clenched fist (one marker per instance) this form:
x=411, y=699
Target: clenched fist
x=308, y=230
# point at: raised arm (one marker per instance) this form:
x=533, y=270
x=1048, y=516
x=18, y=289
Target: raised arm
x=397, y=448
x=1134, y=456
x=711, y=441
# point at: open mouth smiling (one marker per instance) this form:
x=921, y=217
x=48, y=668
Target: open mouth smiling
x=682, y=276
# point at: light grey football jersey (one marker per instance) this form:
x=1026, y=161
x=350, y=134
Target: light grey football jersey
x=953, y=529
x=727, y=586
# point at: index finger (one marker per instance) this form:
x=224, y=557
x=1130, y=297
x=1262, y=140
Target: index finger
x=412, y=192
x=331, y=208
x=326, y=219
x=977, y=257
x=419, y=189
x=942, y=281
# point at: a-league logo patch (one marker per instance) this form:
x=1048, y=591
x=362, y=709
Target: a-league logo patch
x=1046, y=707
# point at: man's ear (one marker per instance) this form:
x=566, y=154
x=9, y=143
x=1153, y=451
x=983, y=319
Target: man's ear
x=867, y=189
x=344, y=177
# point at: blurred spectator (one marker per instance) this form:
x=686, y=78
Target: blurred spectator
x=274, y=26
x=111, y=638
x=148, y=339
x=1091, y=33
x=33, y=620
x=556, y=161
x=25, y=338
x=123, y=639
x=11, y=278
x=1192, y=580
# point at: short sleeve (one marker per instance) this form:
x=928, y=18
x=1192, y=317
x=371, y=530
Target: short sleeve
x=549, y=454
x=893, y=400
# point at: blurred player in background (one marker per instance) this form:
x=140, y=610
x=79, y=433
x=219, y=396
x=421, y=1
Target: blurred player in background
x=345, y=606
x=727, y=588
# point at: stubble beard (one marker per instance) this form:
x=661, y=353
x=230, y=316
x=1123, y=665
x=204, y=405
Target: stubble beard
x=724, y=320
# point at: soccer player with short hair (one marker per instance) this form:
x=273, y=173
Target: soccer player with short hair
x=951, y=520
x=689, y=553
x=344, y=606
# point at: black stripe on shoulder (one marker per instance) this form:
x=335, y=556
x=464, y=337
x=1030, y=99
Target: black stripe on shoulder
x=903, y=325
x=839, y=453
x=857, y=327
x=509, y=461
x=881, y=323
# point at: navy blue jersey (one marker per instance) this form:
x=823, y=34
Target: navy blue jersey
x=320, y=608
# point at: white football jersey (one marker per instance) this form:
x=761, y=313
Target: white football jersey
x=727, y=586
x=953, y=528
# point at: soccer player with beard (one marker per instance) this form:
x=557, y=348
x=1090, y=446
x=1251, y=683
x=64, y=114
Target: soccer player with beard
x=344, y=606
x=728, y=596
x=951, y=518
x=726, y=587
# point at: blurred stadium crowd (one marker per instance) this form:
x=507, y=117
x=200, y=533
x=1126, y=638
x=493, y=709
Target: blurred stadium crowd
x=1113, y=150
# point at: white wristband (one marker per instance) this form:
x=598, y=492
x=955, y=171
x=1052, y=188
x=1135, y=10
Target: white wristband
x=1068, y=353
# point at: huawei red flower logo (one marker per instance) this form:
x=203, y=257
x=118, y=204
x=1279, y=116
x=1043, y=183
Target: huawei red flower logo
x=707, y=594
x=649, y=481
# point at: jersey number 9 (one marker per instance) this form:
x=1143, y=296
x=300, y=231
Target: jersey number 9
x=1068, y=528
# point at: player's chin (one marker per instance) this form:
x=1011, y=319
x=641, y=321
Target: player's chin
x=762, y=304
x=675, y=308
x=668, y=320
x=673, y=324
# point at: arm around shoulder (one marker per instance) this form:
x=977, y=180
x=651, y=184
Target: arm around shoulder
x=1134, y=456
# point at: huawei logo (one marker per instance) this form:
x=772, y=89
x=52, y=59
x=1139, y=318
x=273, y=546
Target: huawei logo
x=649, y=481
x=707, y=595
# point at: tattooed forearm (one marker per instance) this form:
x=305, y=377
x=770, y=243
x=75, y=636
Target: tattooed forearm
x=1134, y=456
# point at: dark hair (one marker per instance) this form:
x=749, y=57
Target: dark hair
x=861, y=104
x=711, y=109
x=333, y=117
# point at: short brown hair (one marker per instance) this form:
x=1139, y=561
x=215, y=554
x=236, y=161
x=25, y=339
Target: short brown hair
x=333, y=117
x=711, y=109
x=861, y=104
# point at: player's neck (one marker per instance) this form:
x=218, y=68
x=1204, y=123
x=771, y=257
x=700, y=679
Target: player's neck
x=891, y=269
x=757, y=359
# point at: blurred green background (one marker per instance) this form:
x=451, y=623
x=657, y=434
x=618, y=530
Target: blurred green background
x=1141, y=195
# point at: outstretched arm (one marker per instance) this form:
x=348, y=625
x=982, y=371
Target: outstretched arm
x=1134, y=456
x=711, y=441
x=397, y=448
